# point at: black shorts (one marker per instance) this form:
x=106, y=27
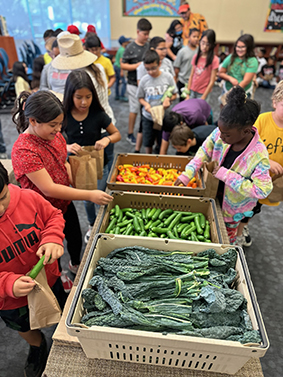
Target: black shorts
x=255, y=210
x=18, y=319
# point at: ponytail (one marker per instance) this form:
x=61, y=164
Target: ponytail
x=95, y=71
x=43, y=106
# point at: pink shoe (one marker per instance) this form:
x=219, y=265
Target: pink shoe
x=73, y=269
x=66, y=281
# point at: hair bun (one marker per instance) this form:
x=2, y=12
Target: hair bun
x=236, y=97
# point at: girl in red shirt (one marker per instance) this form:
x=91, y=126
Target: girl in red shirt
x=39, y=158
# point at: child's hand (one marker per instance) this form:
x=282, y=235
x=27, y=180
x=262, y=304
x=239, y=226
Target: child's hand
x=52, y=250
x=166, y=103
x=187, y=96
x=178, y=182
x=73, y=148
x=147, y=107
x=233, y=81
x=100, y=197
x=276, y=168
x=23, y=286
x=215, y=170
x=101, y=144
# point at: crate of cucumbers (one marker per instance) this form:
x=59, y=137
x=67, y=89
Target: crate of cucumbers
x=168, y=303
x=161, y=216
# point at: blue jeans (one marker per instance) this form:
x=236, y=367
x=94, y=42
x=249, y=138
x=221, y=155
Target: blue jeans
x=2, y=143
x=90, y=206
x=117, y=83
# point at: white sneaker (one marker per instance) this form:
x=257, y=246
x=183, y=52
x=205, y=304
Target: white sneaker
x=240, y=241
x=246, y=234
x=88, y=233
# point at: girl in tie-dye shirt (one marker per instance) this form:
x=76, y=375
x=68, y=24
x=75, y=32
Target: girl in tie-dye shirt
x=243, y=163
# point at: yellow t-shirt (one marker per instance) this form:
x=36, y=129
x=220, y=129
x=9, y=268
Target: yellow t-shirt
x=21, y=85
x=108, y=68
x=272, y=137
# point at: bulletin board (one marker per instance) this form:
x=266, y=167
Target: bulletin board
x=274, y=19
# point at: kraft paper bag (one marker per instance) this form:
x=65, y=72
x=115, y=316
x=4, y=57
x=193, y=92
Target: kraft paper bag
x=84, y=172
x=211, y=183
x=98, y=155
x=157, y=114
x=44, y=310
x=276, y=194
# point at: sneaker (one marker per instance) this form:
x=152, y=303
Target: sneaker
x=36, y=360
x=246, y=234
x=88, y=234
x=124, y=99
x=240, y=241
x=3, y=156
x=73, y=268
x=66, y=281
x=131, y=139
x=117, y=98
x=137, y=151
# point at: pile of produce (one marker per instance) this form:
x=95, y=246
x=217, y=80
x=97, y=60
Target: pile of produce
x=169, y=292
x=145, y=174
x=155, y=222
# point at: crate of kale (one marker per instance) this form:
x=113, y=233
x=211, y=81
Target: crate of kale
x=169, y=303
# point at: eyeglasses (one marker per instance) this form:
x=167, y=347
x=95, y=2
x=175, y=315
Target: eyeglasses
x=161, y=48
x=152, y=69
x=204, y=43
x=241, y=47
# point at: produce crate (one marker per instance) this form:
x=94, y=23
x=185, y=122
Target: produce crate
x=156, y=161
x=202, y=354
x=134, y=200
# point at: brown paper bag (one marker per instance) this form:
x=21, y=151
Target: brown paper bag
x=157, y=114
x=211, y=183
x=44, y=310
x=276, y=194
x=98, y=155
x=84, y=172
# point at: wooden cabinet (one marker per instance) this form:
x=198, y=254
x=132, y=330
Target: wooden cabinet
x=8, y=44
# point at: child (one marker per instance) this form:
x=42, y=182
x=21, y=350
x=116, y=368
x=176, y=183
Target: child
x=157, y=44
x=84, y=119
x=193, y=112
x=267, y=73
x=93, y=44
x=174, y=40
x=243, y=168
x=279, y=74
x=270, y=129
x=150, y=91
x=204, y=67
x=132, y=58
x=182, y=64
x=39, y=162
x=240, y=67
x=20, y=77
x=30, y=227
x=187, y=141
x=119, y=72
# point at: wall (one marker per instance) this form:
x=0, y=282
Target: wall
x=229, y=18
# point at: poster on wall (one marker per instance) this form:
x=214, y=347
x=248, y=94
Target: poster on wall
x=274, y=19
x=145, y=8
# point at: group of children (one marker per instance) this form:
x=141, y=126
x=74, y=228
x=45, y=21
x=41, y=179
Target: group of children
x=34, y=222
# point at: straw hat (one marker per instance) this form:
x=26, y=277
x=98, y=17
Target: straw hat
x=72, y=55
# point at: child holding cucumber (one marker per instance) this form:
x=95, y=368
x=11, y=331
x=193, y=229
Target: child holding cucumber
x=243, y=163
x=30, y=227
x=152, y=89
x=39, y=158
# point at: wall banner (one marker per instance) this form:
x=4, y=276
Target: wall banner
x=145, y=8
x=274, y=19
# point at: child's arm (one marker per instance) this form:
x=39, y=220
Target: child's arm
x=113, y=138
x=203, y=154
x=164, y=146
x=145, y=104
x=130, y=67
x=112, y=79
x=247, y=79
x=69, y=171
x=223, y=75
x=259, y=185
x=73, y=148
x=276, y=168
x=177, y=70
x=42, y=180
x=190, y=80
x=211, y=83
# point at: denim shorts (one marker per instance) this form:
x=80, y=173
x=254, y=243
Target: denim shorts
x=18, y=319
